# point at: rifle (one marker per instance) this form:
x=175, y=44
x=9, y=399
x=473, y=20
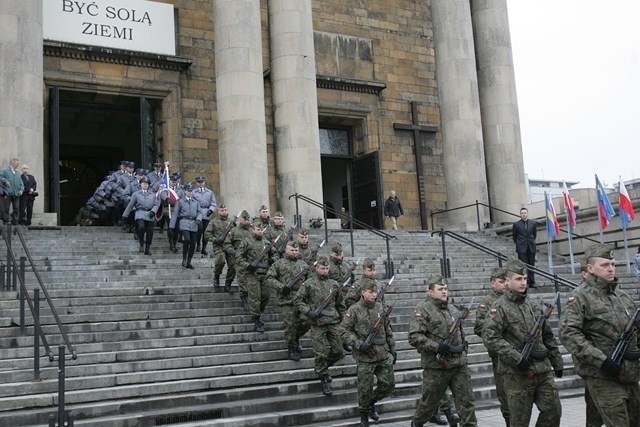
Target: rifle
x=351, y=270
x=254, y=264
x=317, y=311
x=281, y=247
x=383, y=290
x=295, y=279
x=220, y=239
x=314, y=252
x=376, y=328
x=453, y=331
x=622, y=344
x=527, y=347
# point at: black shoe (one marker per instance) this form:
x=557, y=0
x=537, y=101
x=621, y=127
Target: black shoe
x=216, y=281
x=198, y=248
x=227, y=288
x=184, y=263
x=346, y=348
x=298, y=346
x=452, y=417
x=175, y=249
x=438, y=418
x=373, y=412
x=414, y=423
x=326, y=387
x=203, y=252
x=141, y=250
x=245, y=303
x=329, y=378
x=293, y=354
x=258, y=325
x=364, y=421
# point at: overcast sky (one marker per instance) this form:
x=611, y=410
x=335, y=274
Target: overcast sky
x=577, y=66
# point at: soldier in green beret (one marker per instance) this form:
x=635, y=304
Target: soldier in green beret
x=375, y=359
x=283, y=271
x=592, y=320
x=498, y=282
x=238, y=234
x=507, y=326
x=325, y=327
x=428, y=328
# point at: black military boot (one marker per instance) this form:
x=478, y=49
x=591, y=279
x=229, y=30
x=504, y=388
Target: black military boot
x=364, y=421
x=258, y=325
x=414, y=423
x=141, y=250
x=373, y=412
x=293, y=354
x=227, y=287
x=245, y=303
x=298, y=346
x=216, y=281
x=326, y=387
x=204, y=247
x=438, y=418
x=147, y=248
x=452, y=417
x=198, y=247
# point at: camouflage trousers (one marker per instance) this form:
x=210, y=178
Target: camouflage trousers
x=327, y=346
x=293, y=325
x=593, y=416
x=242, y=283
x=221, y=257
x=618, y=403
x=366, y=371
x=434, y=387
x=259, y=293
x=500, y=390
x=525, y=391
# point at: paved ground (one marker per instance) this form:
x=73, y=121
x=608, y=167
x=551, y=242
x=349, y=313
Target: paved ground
x=573, y=415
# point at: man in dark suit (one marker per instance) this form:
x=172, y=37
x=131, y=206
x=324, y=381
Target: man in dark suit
x=524, y=236
x=28, y=196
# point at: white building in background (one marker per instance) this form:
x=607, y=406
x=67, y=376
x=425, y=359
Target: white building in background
x=537, y=187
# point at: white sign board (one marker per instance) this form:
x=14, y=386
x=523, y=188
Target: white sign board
x=138, y=25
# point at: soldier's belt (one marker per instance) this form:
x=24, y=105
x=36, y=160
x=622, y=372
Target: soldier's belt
x=328, y=313
x=539, y=354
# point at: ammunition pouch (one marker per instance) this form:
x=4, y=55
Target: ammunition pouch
x=632, y=355
x=456, y=350
x=539, y=354
x=328, y=313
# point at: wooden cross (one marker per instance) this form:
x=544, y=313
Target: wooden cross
x=417, y=128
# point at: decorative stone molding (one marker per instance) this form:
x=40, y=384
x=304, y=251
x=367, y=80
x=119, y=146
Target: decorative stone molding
x=350, y=85
x=116, y=56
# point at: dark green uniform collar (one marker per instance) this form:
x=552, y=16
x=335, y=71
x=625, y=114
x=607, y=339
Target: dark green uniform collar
x=514, y=296
x=439, y=303
x=598, y=283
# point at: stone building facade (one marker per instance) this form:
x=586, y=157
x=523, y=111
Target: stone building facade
x=339, y=101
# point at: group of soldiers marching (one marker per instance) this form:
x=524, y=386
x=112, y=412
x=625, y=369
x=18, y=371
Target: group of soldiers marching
x=317, y=294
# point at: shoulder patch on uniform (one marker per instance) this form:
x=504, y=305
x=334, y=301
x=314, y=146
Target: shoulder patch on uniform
x=482, y=306
x=493, y=312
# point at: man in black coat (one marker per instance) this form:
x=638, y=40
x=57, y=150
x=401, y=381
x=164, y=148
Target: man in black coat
x=393, y=209
x=28, y=196
x=524, y=236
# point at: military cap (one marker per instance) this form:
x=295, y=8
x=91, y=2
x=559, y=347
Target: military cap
x=336, y=248
x=124, y=162
x=264, y=208
x=515, y=266
x=244, y=214
x=436, y=279
x=157, y=165
x=188, y=187
x=599, y=251
x=139, y=171
x=498, y=273
x=278, y=214
x=293, y=244
x=322, y=260
x=369, y=285
x=131, y=164
x=368, y=263
x=199, y=178
x=222, y=206
x=174, y=178
x=257, y=224
x=303, y=232
x=144, y=179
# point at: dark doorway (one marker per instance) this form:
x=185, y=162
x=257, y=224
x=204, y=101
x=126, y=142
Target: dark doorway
x=366, y=190
x=96, y=131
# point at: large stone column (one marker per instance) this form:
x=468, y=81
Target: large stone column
x=499, y=107
x=464, y=163
x=293, y=75
x=242, y=137
x=21, y=88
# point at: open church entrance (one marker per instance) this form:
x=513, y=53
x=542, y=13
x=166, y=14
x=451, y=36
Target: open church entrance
x=91, y=133
x=348, y=181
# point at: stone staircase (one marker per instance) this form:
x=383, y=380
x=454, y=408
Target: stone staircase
x=157, y=344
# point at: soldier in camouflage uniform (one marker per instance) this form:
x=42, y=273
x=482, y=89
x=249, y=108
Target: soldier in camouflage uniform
x=428, y=328
x=254, y=263
x=223, y=250
x=506, y=328
x=325, y=333
x=591, y=322
x=278, y=229
x=339, y=267
x=280, y=274
x=375, y=359
x=263, y=216
x=368, y=276
x=305, y=253
x=238, y=234
x=498, y=285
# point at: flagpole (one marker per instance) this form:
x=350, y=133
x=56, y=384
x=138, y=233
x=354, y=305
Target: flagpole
x=573, y=269
x=166, y=170
x=599, y=213
x=569, y=213
x=626, y=249
x=549, y=249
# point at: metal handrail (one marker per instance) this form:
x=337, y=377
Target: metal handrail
x=18, y=232
x=365, y=226
x=501, y=257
